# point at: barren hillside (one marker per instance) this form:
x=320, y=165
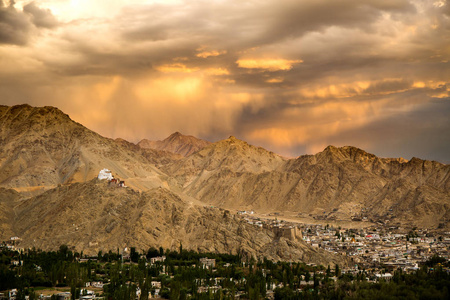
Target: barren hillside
x=96, y=215
x=336, y=183
x=8, y=200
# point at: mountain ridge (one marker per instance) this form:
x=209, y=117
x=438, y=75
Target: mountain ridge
x=223, y=174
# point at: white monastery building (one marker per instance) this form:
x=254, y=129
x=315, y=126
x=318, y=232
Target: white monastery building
x=105, y=174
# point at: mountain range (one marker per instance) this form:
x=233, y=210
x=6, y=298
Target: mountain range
x=49, y=194
x=336, y=183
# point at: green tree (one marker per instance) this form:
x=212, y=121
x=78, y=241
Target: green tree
x=337, y=271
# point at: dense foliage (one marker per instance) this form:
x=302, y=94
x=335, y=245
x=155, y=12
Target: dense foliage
x=183, y=277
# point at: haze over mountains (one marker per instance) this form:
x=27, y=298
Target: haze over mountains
x=48, y=162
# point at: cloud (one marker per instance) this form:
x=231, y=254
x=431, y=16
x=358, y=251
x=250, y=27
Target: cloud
x=271, y=64
x=381, y=126
x=14, y=25
x=40, y=17
x=292, y=76
x=177, y=67
x=203, y=52
x=420, y=130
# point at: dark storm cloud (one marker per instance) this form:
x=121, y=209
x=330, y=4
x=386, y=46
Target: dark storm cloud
x=295, y=18
x=40, y=17
x=177, y=31
x=166, y=32
x=14, y=25
x=239, y=25
x=423, y=131
x=157, y=22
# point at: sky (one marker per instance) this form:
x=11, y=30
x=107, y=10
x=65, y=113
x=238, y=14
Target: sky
x=292, y=76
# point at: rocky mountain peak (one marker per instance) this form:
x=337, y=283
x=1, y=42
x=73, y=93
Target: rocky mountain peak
x=176, y=134
x=235, y=146
x=229, y=155
x=26, y=117
x=24, y=124
x=176, y=143
x=345, y=153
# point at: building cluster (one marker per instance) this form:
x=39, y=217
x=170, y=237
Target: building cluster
x=12, y=244
x=280, y=228
x=374, y=247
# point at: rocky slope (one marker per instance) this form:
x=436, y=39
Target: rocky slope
x=177, y=143
x=338, y=182
x=231, y=155
x=338, y=176
x=96, y=215
x=8, y=200
x=41, y=147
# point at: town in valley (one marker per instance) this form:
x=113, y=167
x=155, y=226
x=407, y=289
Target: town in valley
x=374, y=254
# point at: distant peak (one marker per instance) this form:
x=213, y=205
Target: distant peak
x=176, y=133
x=330, y=148
x=176, y=136
x=177, y=143
x=234, y=140
x=344, y=149
x=21, y=106
x=51, y=108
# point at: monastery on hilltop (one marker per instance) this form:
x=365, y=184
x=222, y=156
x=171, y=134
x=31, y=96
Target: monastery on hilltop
x=106, y=174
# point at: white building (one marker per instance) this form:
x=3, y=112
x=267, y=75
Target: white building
x=208, y=262
x=157, y=259
x=105, y=174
